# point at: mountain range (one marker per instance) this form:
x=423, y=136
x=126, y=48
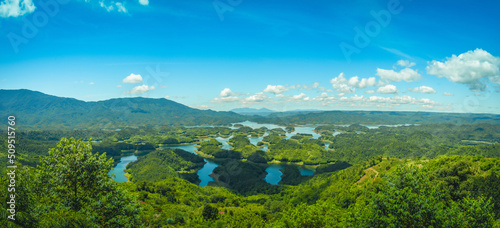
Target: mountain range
x=36, y=110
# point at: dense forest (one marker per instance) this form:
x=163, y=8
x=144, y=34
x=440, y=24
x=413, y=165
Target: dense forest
x=439, y=175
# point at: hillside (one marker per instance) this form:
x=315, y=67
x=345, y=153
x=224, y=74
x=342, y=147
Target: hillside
x=36, y=110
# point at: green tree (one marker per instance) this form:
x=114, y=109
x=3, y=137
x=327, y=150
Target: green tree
x=209, y=212
x=74, y=185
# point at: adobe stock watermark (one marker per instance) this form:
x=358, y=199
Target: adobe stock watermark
x=32, y=24
x=372, y=29
x=222, y=6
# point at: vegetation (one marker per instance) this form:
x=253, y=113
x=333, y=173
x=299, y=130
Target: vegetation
x=163, y=164
x=439, y=175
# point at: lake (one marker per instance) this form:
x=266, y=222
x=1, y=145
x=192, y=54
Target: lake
x=203, y=173
x=209, y=166
x=118, y=170
x=274, y=173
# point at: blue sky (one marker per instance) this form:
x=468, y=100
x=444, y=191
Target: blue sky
x=284, y=55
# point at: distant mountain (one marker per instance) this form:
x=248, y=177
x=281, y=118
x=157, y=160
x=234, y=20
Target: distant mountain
x=36, y=110
x=377, y=117
x=253, y=111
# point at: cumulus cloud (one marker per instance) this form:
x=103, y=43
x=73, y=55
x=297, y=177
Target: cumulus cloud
x=133, y=79
x=340, y=84
x=468, y=68
x=448, y=94
x=16, y=8
x=388, y=89
x=370, y=91
x=405, y=63
x=144, y=2
x=226, y=95
x=226, y=92
x=363, y=83
x=276, y=89
x=423, y=89
x=299, y=96
x=258, y=97
x=140, y=89
x=405, y=74
x=91, y=83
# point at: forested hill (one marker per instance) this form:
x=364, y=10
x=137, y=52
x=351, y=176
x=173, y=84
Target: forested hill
x=378, y=117
x=37, y=110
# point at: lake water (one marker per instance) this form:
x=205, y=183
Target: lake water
x=306, y=171
x=209, y=166
x=273, y=174
x=225, y=145
x=203, y=173
x=118, y=170
x=395, y=125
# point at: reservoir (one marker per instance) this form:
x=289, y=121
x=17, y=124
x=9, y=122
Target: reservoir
x=203, y=173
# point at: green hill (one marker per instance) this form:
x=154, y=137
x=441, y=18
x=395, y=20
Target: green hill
x=36, y=110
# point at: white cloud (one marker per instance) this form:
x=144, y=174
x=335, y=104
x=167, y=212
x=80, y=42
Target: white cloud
x=299, y=96
x=140, y=89
x=423, y=89
x=405, y=63
x=226, y=92
x=401, y=100
x=118, y=6
x=119, y=86
x=277, y=89
x=258, y=97
x=166, y=97
x=354, y=98
x=370, y=91
x=225, y=96
x=448, y=94
x=202, y=107
x=133, y=78
x=340, y=84
x=388, y=89
x=315, y=85
x=363, y=83
x=144, y=2
x=405, y=74
x=225, y=99
x=468, y=68
x=91, y=83
x=16, y=8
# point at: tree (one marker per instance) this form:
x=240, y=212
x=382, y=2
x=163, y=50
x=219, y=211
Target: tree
x=209, y=212
x=74, y=183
